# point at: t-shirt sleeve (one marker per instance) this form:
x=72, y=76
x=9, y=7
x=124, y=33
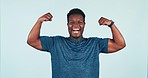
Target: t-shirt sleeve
x=47, y=43
x=103, y=45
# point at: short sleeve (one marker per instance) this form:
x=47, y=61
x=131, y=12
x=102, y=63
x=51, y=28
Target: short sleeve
x=103, y=45
x=47, y=43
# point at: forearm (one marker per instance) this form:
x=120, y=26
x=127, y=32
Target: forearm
x=117, y=37
x=35, y=32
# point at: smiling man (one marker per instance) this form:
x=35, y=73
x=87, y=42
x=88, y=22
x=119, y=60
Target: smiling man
x=75, y=56
x=76, y=25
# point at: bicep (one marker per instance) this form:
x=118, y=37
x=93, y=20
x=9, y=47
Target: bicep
x=36, y=44
x=112, y=46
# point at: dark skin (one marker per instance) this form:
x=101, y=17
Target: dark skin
x=76, y=26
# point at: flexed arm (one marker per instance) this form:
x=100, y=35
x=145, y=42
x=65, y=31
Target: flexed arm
x=118, y=42
x=34, y=35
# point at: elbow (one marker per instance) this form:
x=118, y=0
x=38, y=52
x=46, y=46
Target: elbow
x=117, y=47
x=122, y=46
x=31, y=43
x=28, y=42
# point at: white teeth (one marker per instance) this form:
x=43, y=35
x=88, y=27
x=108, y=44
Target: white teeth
x=76, y=29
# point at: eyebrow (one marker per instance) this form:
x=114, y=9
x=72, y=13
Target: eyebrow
x=79, y=20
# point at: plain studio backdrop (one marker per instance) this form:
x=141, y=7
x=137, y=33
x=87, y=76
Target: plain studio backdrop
x=19, y=60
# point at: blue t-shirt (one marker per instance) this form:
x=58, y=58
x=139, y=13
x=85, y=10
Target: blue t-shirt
x=74, y=58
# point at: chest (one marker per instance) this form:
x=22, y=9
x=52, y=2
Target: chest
x=76, y=50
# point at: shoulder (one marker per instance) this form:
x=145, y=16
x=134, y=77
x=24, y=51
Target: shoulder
x=94, y=38
x=54, y=37
x=51, y=38
x=98, y=39
x=59, y=37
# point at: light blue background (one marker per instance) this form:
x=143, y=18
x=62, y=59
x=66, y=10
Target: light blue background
x=18, y=60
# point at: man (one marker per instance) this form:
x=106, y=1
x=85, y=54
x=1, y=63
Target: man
x=75, y=56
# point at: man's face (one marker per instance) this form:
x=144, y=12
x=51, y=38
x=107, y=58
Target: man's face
x=76, y=26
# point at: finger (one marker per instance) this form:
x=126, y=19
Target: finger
x=45, y=19
x=49, y=16
x=101, y=21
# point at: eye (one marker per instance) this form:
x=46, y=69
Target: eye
x=71, y=22
x=80, y=22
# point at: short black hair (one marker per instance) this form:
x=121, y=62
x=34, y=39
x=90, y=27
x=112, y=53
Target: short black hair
x=75, y=11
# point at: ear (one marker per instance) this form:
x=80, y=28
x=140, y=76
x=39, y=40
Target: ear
x=67, y=23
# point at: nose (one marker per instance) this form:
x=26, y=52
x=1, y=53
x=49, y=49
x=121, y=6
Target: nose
x=76, y=25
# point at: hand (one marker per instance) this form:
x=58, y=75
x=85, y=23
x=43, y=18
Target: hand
x=46, y=17
x=104, y=21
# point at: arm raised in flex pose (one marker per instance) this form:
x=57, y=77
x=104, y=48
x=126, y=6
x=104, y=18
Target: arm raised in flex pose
x=34, y=35
x=118, y=42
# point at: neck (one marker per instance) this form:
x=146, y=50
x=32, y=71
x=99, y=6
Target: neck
x=76, y=38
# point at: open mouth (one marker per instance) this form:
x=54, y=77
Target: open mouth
x=75, y=30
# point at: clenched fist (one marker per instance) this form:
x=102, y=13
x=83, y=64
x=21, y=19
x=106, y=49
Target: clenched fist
x=104, y=21
x=46, y=17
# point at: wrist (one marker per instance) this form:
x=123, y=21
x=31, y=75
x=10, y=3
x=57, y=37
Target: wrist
x=112, y=22
x=39, y=21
